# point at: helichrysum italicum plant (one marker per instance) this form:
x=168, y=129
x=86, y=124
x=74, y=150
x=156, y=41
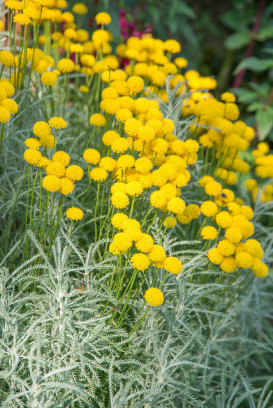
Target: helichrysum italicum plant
x=125, y=221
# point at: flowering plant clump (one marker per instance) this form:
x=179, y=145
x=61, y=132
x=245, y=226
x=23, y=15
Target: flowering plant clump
x=156, y=187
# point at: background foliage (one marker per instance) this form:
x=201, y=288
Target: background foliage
x=219, y=39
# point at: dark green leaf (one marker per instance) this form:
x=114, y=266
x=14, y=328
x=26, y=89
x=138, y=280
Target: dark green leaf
x=238, y=40
x=174, y=25
x=186, y=10
x=265, y=33
x=253, y=107
x=231, y=21
x=254, y=64
x=248, y=96
x=264, y=119
x=268, y=50
x=190, y=36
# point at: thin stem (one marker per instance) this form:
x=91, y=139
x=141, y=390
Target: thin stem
x=95, y=212
x=1, y=136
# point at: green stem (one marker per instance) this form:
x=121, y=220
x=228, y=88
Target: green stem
x=15, y=202
x=139, y=322
x=127, y=292
x=1, y=136
x=56, y=227
x=95, y=212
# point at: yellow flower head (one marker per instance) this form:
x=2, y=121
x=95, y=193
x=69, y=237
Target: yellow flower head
x=176, y=205
x=244, y=260
x=172, y=46
x=103, y=18
x=254, y=248
x=100, y=37
x=158, y=199
x=228, y=265
x=226, y=248
x=48, y=141
x=49, y=78
x=51, y=183
x=135, y=84
x=209, y=208
x=213, y=188
x=4, y=115
x=10, y=105
x=66, y=65
x=126, y=161
x=84, y=89
x=55, y=168
x=123, y=115
x=9, y=88
x=132, y=127
x=223, y=219
x=32, y=143
x=145, y=243
x=121, y=243
x=140, y=261
x=154, y=297
x=97, y=119
x=228, y=97
x=67, y=186
x=108, y=163
x=215, y=256
x=91, y=156
x=57, y=123
x=14, y=4
x=181, y=62
x=118, y=187
x=32, y=156
x=209, y=232
x=118, y=220
x=134, y=188
x=74, y=213
x=259, y=268
x=146, y=133
x=109, y=137
x=233, y=235
x=172, y=265
x=21, y=19
x=170, y=222
x=80, y=9
x=231, y=111
x=118, y=145
x=74, y=172
x=6, y=58
x=61, y=157
x=119, y=200
x=110, y=106
x=98, y=174
x=192, y=211
x=157, y=254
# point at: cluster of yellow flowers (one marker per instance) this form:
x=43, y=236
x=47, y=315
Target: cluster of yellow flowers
x=8, y=106
x=151, y=59
x=142, y=160
x=71, y=39
x=230, y=215
x=227, y=135
x=30, y=11
x=39, y=62
x=60, y=177
x=143, y=154
x=264, y=170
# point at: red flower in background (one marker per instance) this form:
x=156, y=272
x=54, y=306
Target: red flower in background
x=128, y=28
